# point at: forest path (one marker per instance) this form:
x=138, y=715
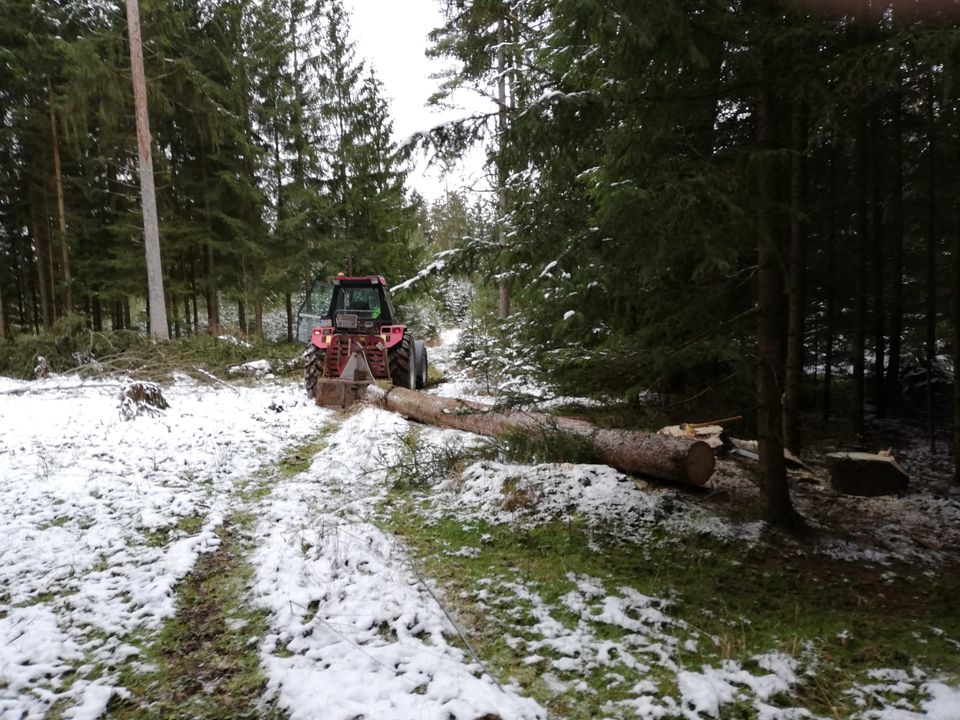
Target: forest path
x=354, y=629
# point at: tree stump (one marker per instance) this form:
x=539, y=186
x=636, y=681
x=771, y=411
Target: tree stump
x=866, y=474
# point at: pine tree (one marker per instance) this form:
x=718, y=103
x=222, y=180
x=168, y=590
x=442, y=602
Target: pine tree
x=371, y=219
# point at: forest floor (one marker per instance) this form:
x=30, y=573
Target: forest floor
x=246, y=554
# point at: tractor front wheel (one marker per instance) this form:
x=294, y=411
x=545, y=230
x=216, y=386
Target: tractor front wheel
x=312, y=368
x=403, y=364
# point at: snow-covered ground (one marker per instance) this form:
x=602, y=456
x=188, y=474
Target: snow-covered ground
x=103, y=516
x=94, y=511
x=90, y=507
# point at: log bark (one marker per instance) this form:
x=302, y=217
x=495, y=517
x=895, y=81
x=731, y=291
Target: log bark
x=683, y=460
x=866, y=474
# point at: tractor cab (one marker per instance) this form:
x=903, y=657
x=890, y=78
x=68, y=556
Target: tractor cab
x=352, y=305
x=360, y=305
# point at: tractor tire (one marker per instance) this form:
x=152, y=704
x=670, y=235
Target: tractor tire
x=312, y=369
x=421, y=354
x=403, y=365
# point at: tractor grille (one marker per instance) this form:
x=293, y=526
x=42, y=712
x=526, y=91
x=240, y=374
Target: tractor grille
x=342, y=347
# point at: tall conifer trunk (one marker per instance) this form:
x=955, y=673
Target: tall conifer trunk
x=288, y=300
x=796, y=282
x=773, y=473
x=830, y=330
x=503, y=294
x=892, y=384
x=212, y=297
x=242, y=317
x=42, y=243
x=61, y=208
x=956, y=353
x=96, y=310
x=860, y=299
x=193, y=294
x=931, y=324
x=3, y=317
x=23, y=280
x=877, y=261
x=151, y=233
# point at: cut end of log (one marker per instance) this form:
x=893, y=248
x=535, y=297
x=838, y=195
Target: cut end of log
x=866, y=474
x=700, y=463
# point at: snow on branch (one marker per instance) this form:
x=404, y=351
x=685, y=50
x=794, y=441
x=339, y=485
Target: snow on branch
x=435, y=267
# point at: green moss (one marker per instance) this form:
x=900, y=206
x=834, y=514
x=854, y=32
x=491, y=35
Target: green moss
x=58, y=521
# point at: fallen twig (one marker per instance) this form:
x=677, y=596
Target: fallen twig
x=213, y=377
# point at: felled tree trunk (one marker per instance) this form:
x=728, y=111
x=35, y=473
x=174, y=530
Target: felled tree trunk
x=683, y=460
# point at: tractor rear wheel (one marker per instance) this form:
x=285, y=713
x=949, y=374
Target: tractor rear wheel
x=403, y=364
x=421, y=353
x=312, y=368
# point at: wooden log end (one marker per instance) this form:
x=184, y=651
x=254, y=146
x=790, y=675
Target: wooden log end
x=700, y=463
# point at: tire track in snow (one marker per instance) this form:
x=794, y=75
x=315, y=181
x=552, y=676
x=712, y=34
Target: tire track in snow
x=354, y=633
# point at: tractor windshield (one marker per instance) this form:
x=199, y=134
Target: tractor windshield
x=361, y=300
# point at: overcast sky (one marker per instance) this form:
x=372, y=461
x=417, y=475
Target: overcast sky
x=392, y=36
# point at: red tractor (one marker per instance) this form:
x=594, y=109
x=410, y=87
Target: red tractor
x=355, y=316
